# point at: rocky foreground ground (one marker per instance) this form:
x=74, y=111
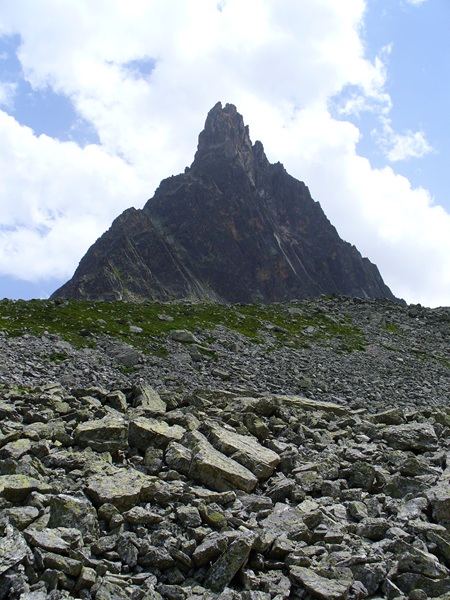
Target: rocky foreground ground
x=306, y=461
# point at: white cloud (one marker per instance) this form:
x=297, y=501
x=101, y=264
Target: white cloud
x=55, y=199
x=7, y=93
x=398, y=146
x=412, y=144
x=371, y=95
x=283, y=64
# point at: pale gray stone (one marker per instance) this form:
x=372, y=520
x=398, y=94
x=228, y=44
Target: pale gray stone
x=148, y=398
x=48, y=539
x=214, y=469
x=122, y=489
x=322, y=587
x=16, y=487
x=419, y=437
x=20, y=516
x=244, y=449
x=308, y=404
x=139, y=515
x=104, y=435
x=152, y=432
x=178, y=457
x=73, y=511
x=182, y=335
x=228, y=564
x=13, y=549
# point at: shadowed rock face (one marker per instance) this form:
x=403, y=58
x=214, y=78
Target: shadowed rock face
x=232, y=228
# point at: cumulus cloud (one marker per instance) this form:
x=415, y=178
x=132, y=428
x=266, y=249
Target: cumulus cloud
x=401, y=146
x=371, y=97
x=408, y=145
x=55, y=199
x=7, y=93
x=144, y=74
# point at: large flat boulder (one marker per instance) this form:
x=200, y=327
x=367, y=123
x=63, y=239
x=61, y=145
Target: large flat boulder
x=214, y=469
x=13, y=550
x=153, y=432
x=322, y=587
x=73, y=511
x=315, y=405
x=148, y=398
x=122, y=489
x=48, y=539
x=16, y=487
x=418, y=437
x=109, y=434
x=244, y=449
x=126, y=488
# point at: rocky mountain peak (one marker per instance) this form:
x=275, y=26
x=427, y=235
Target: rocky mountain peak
x=224, y=142
x=224, y=133
x=232, y=228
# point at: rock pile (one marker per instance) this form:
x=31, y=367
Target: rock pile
x=132, y=494
x=159, y=487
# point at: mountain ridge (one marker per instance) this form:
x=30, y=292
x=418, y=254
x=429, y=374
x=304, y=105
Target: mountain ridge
x=232, y=228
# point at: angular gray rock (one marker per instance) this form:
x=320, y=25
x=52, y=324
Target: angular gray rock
x=105, y=435
x=418, y=437
x=214, y=469
x=153, y=432
x=13, y=549
x=324, y=587
x=148, y=398
x=123, y=489
x=244, y=449
x=228, y=564
x=16, y=487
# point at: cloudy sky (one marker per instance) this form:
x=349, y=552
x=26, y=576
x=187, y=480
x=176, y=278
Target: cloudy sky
x=100, y=100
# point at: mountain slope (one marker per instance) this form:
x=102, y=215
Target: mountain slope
x=233, y=227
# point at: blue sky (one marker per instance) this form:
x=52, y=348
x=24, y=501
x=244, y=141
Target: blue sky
x=100, y=101
x=418, y=82
x=42, y=109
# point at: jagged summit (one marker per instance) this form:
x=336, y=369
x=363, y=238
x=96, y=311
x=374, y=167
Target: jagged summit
x=232, y=228
x=225, y=148
x=224, y=141
x=224, y=134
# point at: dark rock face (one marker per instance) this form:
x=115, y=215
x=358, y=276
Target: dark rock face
x=232, y=228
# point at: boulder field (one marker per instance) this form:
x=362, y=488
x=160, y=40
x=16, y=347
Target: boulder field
x=225, y=468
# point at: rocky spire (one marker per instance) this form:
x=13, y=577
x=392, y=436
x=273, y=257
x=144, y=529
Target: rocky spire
x=232, y=228
x=225, y=140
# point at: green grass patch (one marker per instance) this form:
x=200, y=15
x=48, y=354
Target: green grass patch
x=392, y=327
x=80, y=322
x=390, y=348
x=56, y=357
